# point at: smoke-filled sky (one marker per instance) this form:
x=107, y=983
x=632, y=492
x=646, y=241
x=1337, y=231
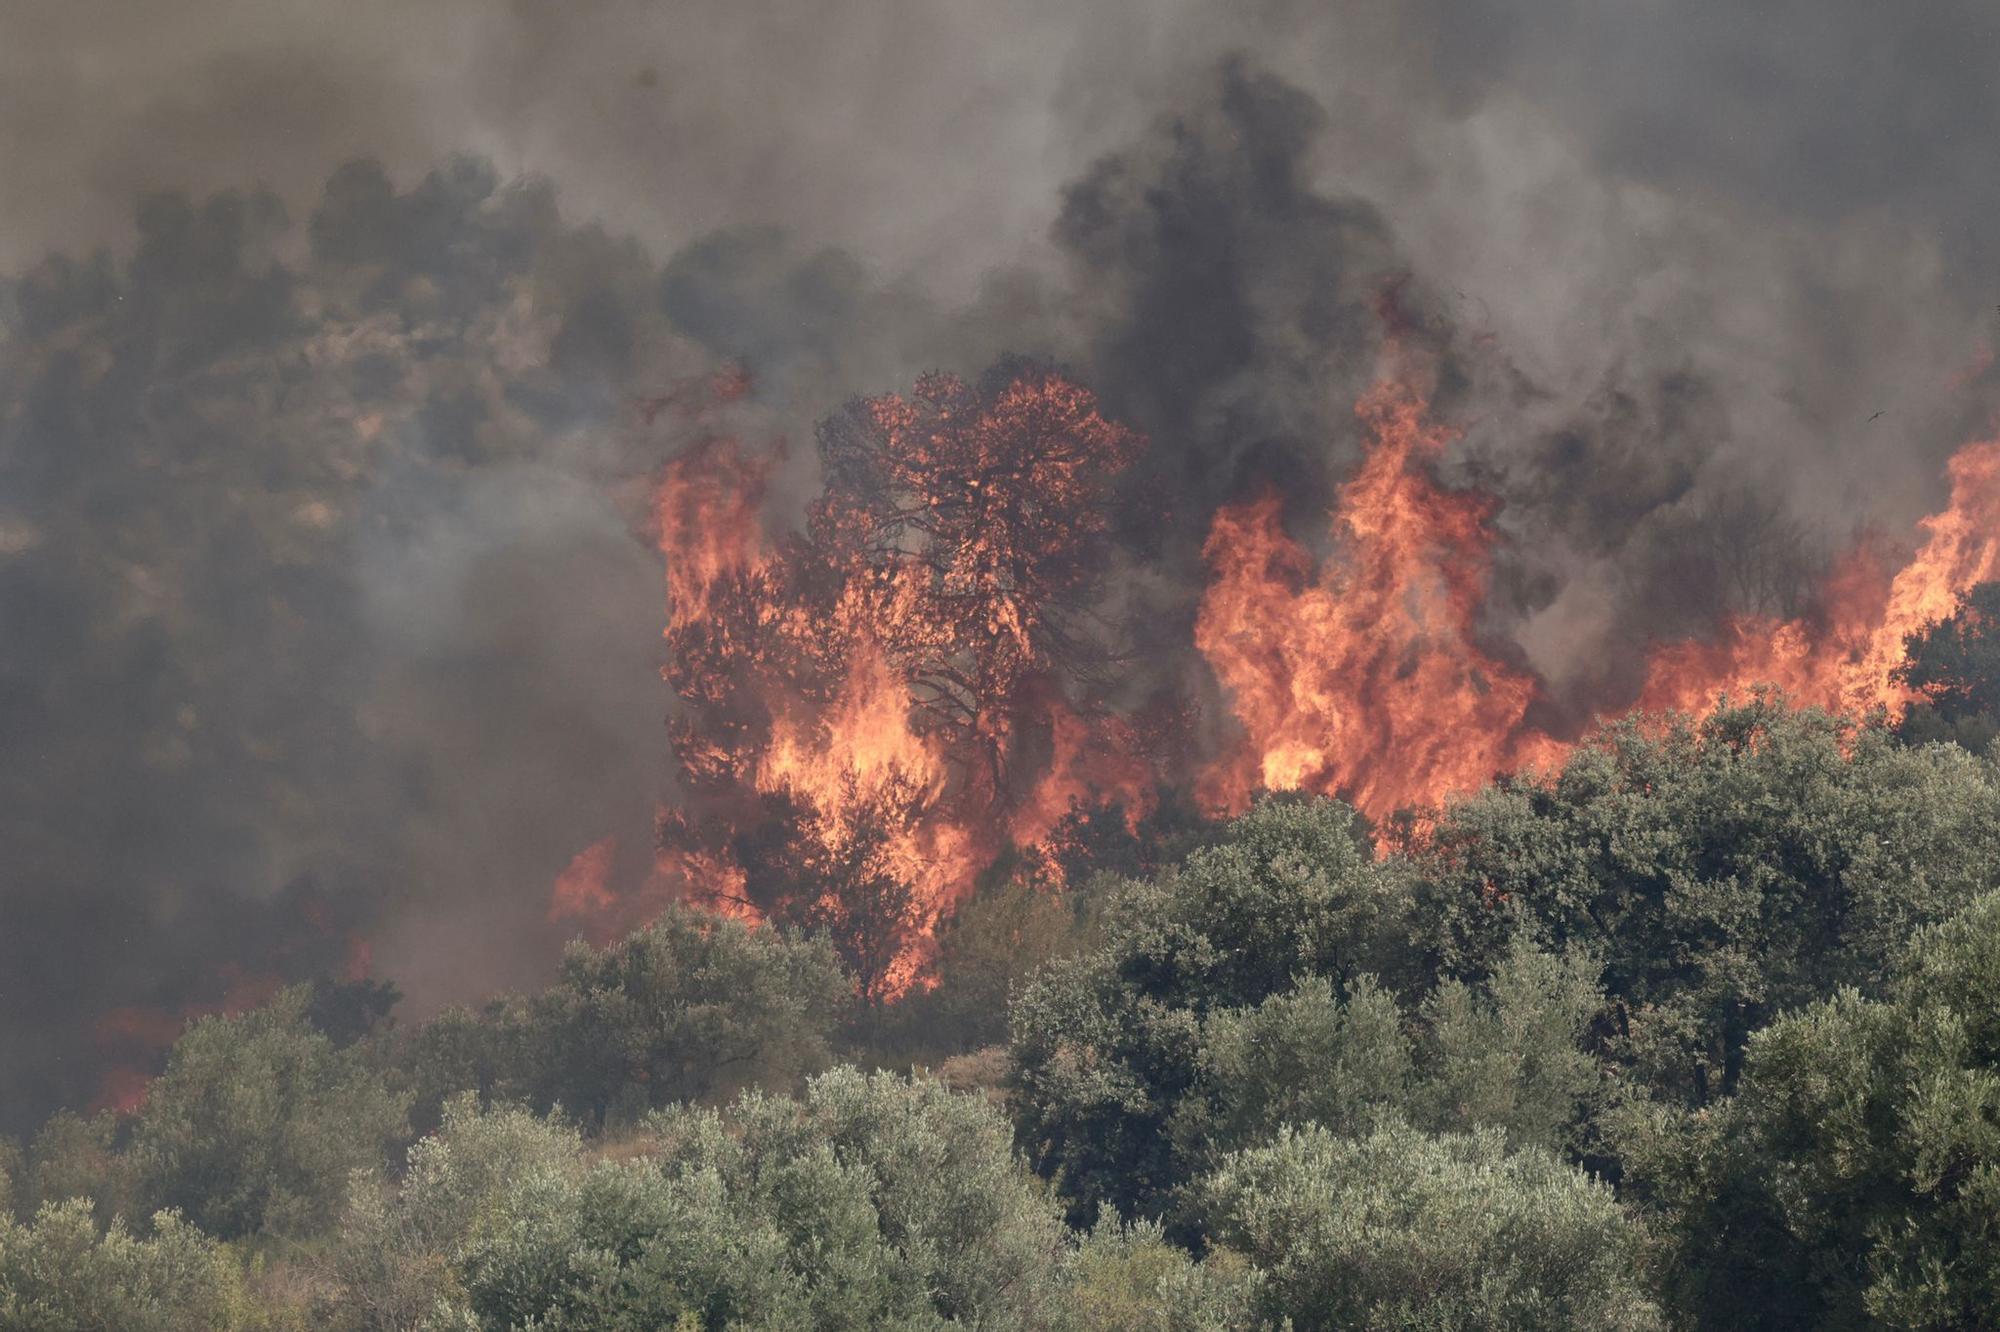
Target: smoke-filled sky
x=325, y=608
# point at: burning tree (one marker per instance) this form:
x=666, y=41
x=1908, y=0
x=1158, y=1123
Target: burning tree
x=977, y=514
x=1953, y=665
x=872, y=704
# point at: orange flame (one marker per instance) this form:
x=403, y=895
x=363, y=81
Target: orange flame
x=583, y=893
x=136, y=1037
x=862, y=740
x=882, y=700
x=707, y=512
x=1844, y=659
x=122, y=1090
x=1092, y=761
x=1363, y=677
x=870, y=685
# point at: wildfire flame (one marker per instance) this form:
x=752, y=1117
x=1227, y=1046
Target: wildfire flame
x=1845, y=657
x=1091, y=761
x=874, y=708
x=583, y=890
x=1363, y=676
x=134, y=1037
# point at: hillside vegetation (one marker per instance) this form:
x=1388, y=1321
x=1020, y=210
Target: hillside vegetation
x=1701, y=1031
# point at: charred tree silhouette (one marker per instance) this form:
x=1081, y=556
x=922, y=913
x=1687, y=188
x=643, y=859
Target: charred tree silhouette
x=972, y=519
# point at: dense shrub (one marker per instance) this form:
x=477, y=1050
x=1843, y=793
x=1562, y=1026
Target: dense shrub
x=258, y=1122
x=692, y=1007
x=61, y=1272
x=1855, y=1180
x=1398, y=1229
x=1237, y=996
x=867, y=1202
x=1723, y=871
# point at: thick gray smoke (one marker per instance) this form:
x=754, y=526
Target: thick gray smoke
x=325, y=608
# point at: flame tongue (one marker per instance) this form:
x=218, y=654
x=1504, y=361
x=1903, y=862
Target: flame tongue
x=583, y=890
x=1362, y=677
x=860, y=760
x=863, y=741
x=1845, y=658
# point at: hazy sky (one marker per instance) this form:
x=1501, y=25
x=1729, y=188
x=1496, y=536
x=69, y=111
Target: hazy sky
x=1786, y=178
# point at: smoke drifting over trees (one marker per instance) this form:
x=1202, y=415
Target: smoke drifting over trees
x=329, y=626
